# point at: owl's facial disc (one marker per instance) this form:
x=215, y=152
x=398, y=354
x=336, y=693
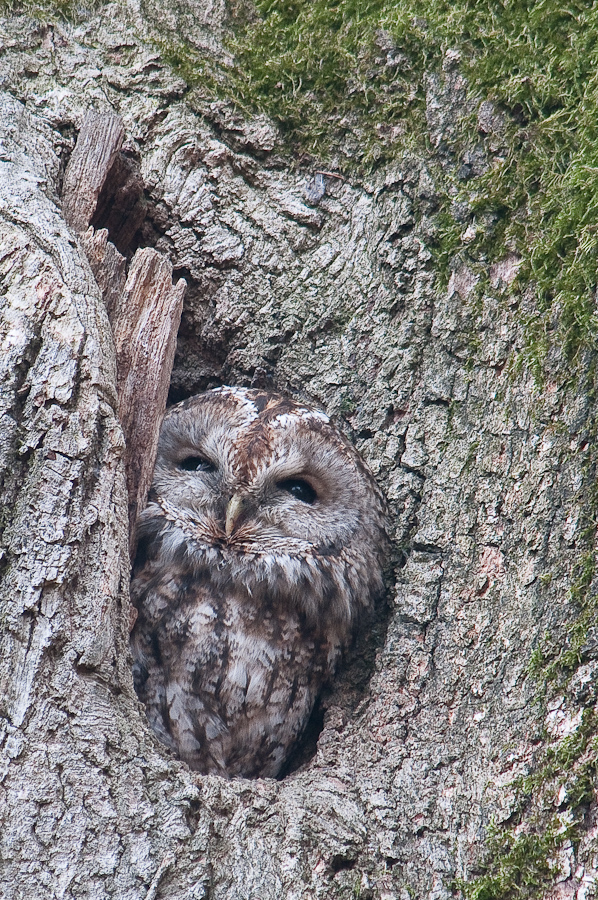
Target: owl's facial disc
x=259, y=473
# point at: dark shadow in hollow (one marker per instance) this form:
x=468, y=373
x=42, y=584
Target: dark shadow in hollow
x=122, y=206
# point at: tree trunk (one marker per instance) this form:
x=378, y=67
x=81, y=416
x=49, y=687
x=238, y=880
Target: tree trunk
x=331, y=296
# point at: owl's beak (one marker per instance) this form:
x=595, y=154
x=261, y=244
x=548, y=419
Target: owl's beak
x=233, y=511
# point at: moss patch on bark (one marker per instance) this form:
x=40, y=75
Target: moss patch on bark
x=346, y=83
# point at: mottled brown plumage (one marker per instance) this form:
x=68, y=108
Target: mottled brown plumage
x=261, y=544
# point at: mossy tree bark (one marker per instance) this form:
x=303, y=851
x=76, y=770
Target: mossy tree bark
x=326, y=288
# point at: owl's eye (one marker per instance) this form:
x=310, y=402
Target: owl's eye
x=196, y=464
x=298, y=489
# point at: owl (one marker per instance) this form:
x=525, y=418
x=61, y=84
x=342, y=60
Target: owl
x=262, y=542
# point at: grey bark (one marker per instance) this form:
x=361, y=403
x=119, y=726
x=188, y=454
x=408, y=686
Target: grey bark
x=144, y=312
x=335, y=299
x=145, y=325
x=95, y=153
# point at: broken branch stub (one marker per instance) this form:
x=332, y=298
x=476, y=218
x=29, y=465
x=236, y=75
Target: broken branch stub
x=97, y=147
x=108, y=267
x=144, y=313
x=145, y=329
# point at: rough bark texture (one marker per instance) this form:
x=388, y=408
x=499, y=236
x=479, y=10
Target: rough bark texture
x=145, y=325
x=108, y=267
x=334, y=300
x=144, y=312
x=97, y=148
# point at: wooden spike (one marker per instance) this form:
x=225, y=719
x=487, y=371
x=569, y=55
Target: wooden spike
x=97, y=146
x=145, y=325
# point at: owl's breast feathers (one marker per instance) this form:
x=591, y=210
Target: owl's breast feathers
x=228, y=682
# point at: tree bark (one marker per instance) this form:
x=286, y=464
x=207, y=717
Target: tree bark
x=145, y=326
x=333, y=298
x=144, y=312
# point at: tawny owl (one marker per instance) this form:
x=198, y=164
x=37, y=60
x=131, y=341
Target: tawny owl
x=261, y=544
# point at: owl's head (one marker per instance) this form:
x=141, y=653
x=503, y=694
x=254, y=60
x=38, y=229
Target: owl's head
x=264, y=489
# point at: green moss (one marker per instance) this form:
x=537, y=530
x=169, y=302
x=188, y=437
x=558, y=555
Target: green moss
x=320, y=70
x=347, y=406
x=346, y=80
x=521, y=856
x=50, y=11
x=326, y=73
x=516, y=866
